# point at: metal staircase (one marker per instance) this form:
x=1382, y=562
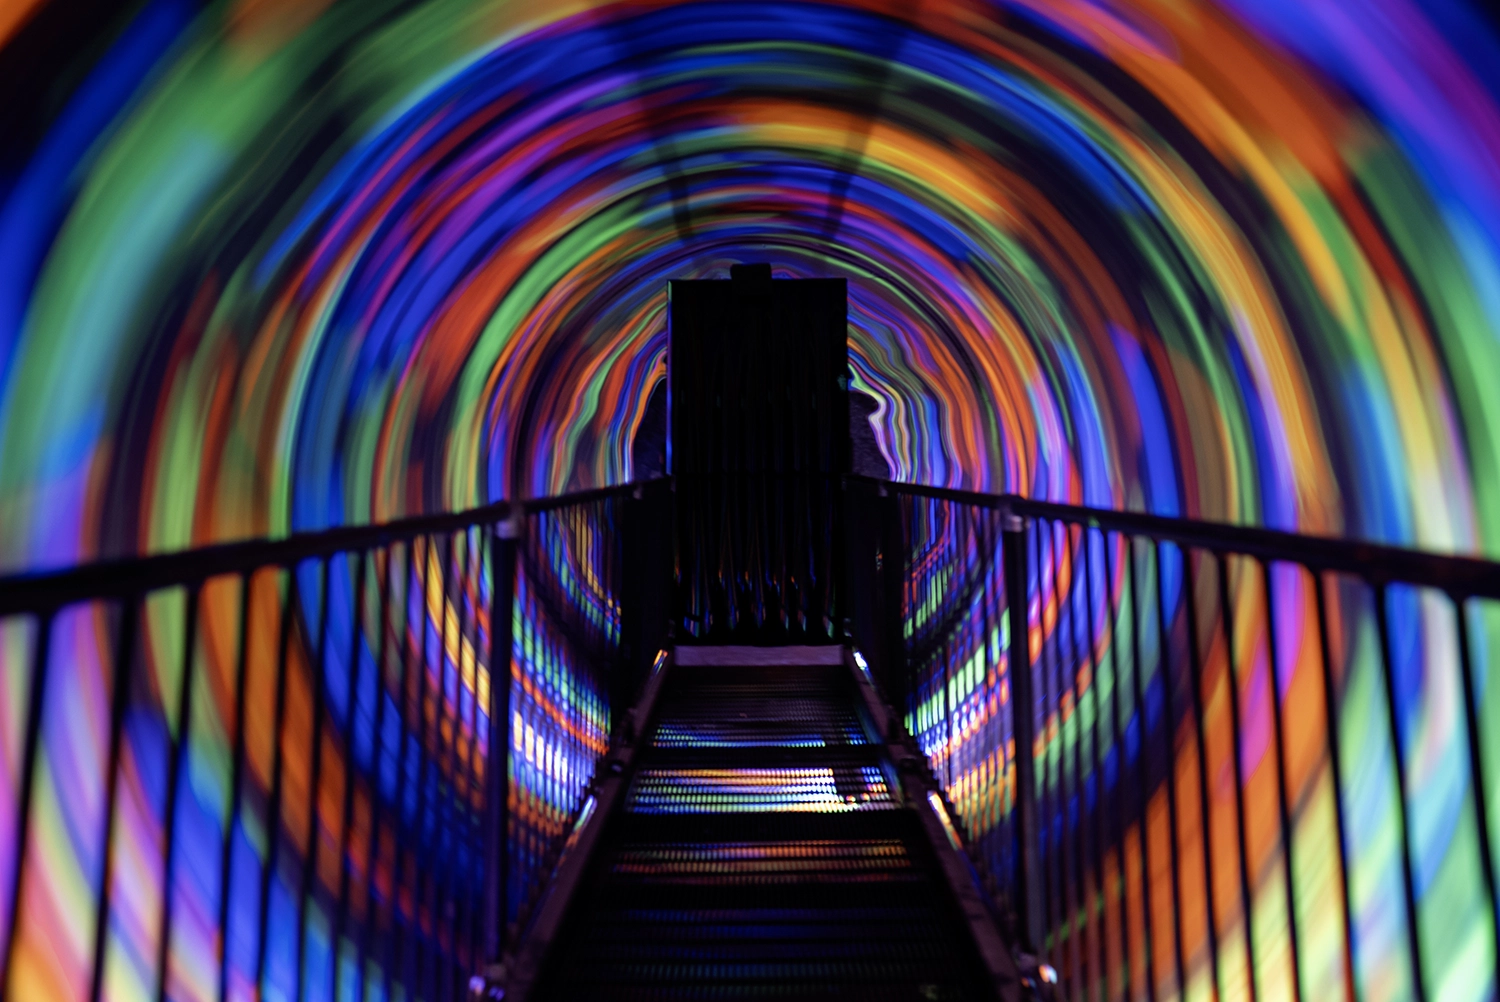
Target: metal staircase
x=764, y=842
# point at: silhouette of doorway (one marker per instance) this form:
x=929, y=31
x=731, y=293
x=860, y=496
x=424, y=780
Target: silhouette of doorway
x=758, y=402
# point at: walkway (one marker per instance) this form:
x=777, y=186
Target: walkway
x=765, y=848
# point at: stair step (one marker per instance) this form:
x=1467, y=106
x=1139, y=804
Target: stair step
x=761, y=854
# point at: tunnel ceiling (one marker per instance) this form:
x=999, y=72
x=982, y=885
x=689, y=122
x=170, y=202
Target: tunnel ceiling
x=271, y=265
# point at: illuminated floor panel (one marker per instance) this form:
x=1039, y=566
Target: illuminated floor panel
x=784, y=862
x=702, y=791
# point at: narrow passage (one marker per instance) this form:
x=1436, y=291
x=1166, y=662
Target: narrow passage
x=764, y=851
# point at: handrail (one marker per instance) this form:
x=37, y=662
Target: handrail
x=411, y=613
x=1469, y=576
x=1092, y=620
x=48, y=590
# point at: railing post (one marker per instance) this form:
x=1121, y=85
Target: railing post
x=1024, y=887
x=896, y=673
x=497, y=765
x=645, y=528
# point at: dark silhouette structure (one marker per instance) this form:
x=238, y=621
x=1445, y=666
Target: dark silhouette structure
x=759, y=402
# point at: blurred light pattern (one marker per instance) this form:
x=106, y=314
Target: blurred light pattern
x=274, y=266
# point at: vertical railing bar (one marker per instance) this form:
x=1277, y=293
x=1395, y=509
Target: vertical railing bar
x=1477, y=773
x=993, y=738
x=1050, y=664
x=443, y=966
x=458, y=892
x=945, y=674
x=913, y=668
x=1078, y=908
x=983, y=824
x=289, y=601
x=1067, y=935
x=310, y=862
x=369, y=928
x=184, y=717
x=236, y=781
x=1083, y=848
x=1336, y=764
x=1398, y=748
x=945, y=666
x=1023, y=724
x=416, y=953
x=453, y=574
x=1117, y=732
x=1283, y=799
x=954, y=664
x=459, y=807
x=977, y=696
x=400, y=828
x=1015, y=612
x=977, y=619
x=1059, y=766
x=1247, y=901
x=437, y=882
x=945, y=686
x=34, y=705
x=1043, y=797
x=908, y=607
x=1098, y=907
x=1005, y=724
x=1057, y=823
x=124, y=667
x=1142, y=793
x=497, y=758
x=351, y=771
x=1008, y=839
x=1000, y=840
x=474, y=829
x=1195, y=667
x=422, y=876
x=1169, y=738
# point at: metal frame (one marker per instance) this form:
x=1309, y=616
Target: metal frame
x=1038, y=888
x=1043, y=885
x=451, y=546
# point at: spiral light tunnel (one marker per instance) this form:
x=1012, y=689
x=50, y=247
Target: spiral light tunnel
x=271, y=266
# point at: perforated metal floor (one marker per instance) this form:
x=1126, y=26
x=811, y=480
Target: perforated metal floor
x=762, y=854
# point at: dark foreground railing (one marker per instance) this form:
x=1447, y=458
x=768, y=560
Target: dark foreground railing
x=263, y=769
x=1250, y=764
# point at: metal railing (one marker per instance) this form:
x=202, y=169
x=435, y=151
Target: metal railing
x=265, y=767
x=1251, y=762
x=1255, y=764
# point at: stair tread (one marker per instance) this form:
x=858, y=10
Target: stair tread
x=762, y=853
